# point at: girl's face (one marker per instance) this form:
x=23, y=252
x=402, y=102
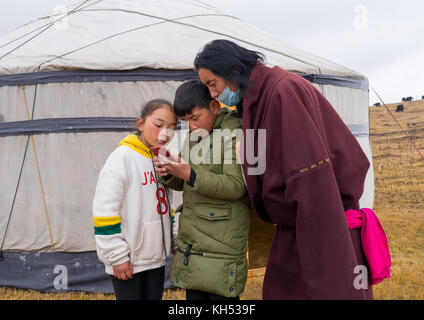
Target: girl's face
x=158, y=128
x=215, y=84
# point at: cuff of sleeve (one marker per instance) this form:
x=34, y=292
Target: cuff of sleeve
x=121, y=261
x=192, y=178
x=166, y=178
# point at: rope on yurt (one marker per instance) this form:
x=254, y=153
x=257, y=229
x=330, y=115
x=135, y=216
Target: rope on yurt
x=38, y=172
x=48, y=25
x=13, y=202
x=164, y=20
x=17, y=184
x=400, y=126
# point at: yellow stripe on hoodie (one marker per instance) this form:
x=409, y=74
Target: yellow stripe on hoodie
x=133, y=142
x=107, y=225
x=106, y=221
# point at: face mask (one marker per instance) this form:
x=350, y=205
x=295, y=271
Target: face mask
x=230, y=98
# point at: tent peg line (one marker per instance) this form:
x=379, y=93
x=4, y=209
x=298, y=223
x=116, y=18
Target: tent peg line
x=39, y=175
x=400, y=126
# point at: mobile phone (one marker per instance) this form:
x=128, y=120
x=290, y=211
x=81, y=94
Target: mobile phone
x=164, y=151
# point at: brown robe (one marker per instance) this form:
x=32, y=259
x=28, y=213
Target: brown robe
x=315, y=171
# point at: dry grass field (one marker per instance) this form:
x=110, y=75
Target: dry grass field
x=399, y=204
x=399, y=196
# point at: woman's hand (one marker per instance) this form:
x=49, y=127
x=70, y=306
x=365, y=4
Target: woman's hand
x=173, y=165
x=123, y=271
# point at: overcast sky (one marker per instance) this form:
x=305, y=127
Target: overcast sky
x=381, y=39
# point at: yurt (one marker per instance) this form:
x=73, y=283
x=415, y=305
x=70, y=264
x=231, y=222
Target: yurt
x=71, y=86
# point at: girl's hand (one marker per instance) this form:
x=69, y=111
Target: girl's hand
x=123, y=271
x=173, y=165
x=160, y=170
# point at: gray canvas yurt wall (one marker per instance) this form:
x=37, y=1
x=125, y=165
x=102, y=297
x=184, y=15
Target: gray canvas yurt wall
x=70, y=89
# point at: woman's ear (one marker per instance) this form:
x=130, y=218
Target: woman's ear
x=140, y=124
x=233, y=87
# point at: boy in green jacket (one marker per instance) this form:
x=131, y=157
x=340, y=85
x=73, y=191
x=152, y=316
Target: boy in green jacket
x=210, y=262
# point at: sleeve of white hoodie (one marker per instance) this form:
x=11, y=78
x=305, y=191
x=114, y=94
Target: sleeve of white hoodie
x=112, y=248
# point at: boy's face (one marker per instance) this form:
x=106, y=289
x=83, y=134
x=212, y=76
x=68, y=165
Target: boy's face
x=201, y=120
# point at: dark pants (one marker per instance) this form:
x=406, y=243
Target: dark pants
x=146, y=285
x=200, y=295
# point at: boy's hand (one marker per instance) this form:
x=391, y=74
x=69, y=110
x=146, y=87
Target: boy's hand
x=173, y=165
x=238, y=152
x=123, y=271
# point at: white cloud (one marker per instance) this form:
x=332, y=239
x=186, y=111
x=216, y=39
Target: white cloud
x=15, y=13
x=389, y=50
x=400, y=78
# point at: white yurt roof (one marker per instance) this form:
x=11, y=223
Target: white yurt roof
x=130, y=34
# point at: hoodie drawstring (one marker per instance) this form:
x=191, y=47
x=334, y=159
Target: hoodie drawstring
x=160, y=209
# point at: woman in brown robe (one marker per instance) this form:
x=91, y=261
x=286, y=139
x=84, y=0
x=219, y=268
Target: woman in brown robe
x=315, y=171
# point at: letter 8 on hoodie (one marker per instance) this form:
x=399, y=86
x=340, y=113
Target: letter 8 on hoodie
x=126, y=210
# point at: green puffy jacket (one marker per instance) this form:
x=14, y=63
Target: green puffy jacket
x=214, y=223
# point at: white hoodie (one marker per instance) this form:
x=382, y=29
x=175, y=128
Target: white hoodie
x=126, y=208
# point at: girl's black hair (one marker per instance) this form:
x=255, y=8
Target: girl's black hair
x=153, y=105
x=189, y=95
x=229, y=61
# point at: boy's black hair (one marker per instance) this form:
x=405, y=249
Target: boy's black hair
x=229, y=61
x=189, y=95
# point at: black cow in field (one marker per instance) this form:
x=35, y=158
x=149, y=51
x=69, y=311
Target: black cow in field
x=400, y=108
x=407, y=99
x=376, y=104
x=422, y=98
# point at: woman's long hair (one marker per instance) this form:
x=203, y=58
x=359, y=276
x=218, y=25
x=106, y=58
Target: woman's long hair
x=229, y=61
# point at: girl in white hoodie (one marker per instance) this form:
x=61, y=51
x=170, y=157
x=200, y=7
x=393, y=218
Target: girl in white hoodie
x=131, y=212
